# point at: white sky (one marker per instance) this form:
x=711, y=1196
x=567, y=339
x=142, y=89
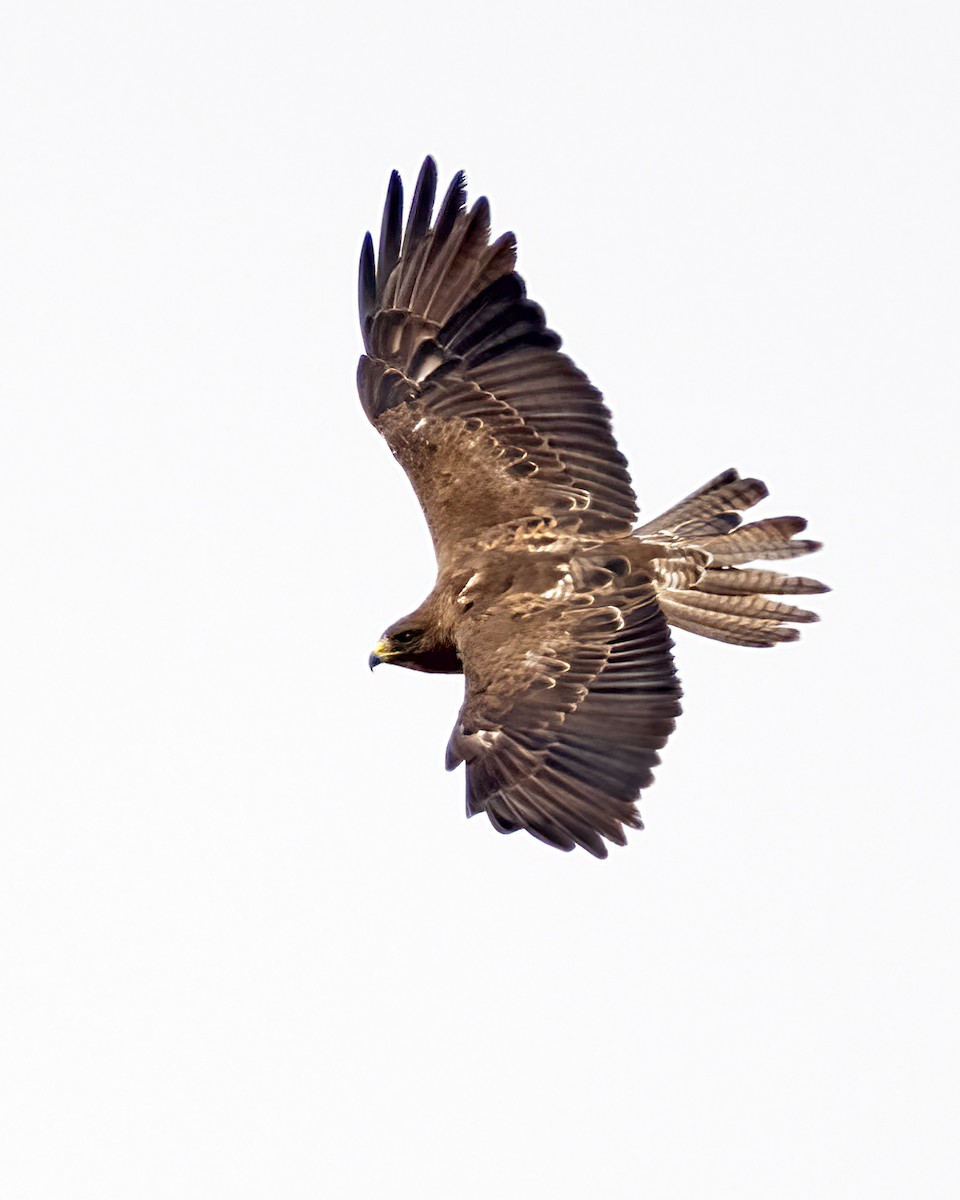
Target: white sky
x=249, y=946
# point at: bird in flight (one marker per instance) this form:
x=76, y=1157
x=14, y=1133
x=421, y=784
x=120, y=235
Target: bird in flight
x=551, y=602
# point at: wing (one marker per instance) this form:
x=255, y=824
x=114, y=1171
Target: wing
x=467, y=384
x=566, y=707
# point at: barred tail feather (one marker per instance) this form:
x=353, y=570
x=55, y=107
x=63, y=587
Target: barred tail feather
x=722, y=498
x=734, y=581
x=703, y=587
x=741, y=631
x=768, y=539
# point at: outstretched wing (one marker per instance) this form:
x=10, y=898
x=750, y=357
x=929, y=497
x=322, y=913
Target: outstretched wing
x=467, y=384
x=566, y=707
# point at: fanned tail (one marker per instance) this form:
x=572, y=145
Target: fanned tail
x=703, y=587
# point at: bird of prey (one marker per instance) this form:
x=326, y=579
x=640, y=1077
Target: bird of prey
x=549, y=600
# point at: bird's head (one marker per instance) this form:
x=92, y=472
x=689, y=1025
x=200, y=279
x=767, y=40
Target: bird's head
x=412, y=642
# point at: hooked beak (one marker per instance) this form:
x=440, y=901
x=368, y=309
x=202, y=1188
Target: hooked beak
x=381, y=653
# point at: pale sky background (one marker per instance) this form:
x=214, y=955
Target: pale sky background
x=249, y=946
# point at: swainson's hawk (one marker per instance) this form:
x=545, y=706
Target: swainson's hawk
x=551, y=603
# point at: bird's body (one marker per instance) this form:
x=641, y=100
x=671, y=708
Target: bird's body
x=551, y=602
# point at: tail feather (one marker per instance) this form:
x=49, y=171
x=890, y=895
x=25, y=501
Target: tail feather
x=734, y=581
x=755, y=606
x=723, y=496
x=703, y=528
x=724, y=627
x=702, y=587
x=769, y=539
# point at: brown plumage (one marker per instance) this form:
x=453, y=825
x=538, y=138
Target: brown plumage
x=548, y=599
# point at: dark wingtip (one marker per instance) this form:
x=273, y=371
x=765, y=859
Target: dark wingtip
x=453, y=758
x=598, y=850
x=480, y=215
x=367, y=287
x=427, y=171
x=453, y=204
x=390, y=230
x=421, y=206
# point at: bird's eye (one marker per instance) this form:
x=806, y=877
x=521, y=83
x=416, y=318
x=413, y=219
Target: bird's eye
x=405, y=636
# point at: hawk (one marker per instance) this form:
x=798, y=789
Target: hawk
x=551, y=602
